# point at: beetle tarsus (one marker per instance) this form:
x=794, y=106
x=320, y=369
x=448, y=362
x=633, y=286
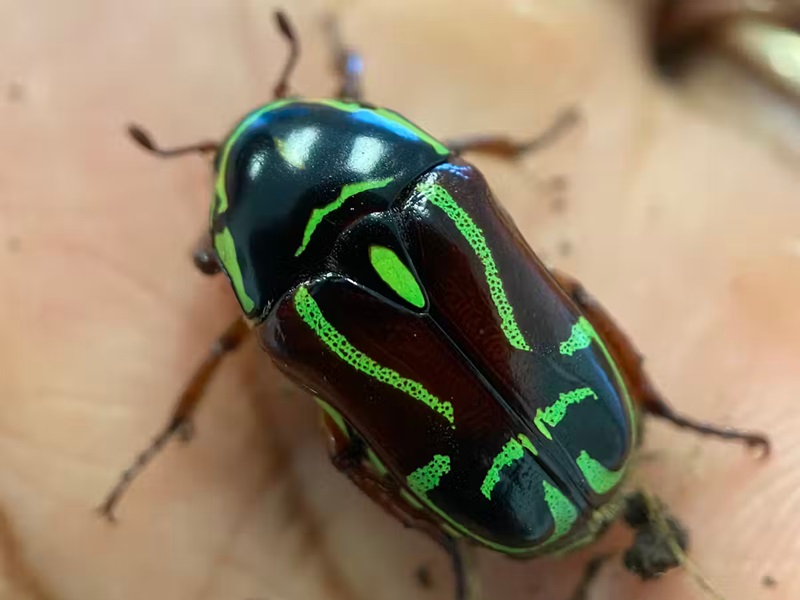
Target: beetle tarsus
x=507, y=148
x=285, y=27
x=141, y=137
x=176, y=427
x=465, y=588
x=590, y=574
x=145, y=141
x=180, y=423
x=660, y=542
x=204, y=257
x=347, y=63
x=656, y=406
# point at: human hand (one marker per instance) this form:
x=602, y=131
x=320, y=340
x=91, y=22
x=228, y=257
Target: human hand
x=684, y=222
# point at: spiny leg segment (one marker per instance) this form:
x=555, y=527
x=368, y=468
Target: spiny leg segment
x=179, y=424
x=505, y=147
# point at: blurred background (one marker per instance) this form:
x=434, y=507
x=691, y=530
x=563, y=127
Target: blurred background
x=674, y=201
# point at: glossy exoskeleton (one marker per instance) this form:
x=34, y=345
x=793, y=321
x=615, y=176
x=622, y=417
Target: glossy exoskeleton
x=471, y=391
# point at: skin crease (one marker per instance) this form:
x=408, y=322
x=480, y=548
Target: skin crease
x=680, y=207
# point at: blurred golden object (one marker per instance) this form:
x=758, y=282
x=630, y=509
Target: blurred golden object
x=771, y=50
x=764, y=35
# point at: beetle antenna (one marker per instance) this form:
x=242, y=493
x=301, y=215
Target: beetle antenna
x=145, y=141
x=285, y=27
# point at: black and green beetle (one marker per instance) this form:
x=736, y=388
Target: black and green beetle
x=468, y=389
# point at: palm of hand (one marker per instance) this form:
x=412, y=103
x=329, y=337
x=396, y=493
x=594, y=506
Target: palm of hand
x=683, y=217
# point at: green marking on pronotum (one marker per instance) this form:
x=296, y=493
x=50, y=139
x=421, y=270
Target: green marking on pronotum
x=580, y=337
x=440, y=197
x=348, y=191
x=600, y=479
x=427, y=478
x=352, y=107
x=511, y=452
x=226, y=251
x=222, y=205
x=254, y=116
x=553, y=414
x=562, y=510
x=396, y=275
x=309, y=311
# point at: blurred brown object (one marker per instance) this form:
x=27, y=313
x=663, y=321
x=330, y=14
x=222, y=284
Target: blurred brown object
x=763, y=35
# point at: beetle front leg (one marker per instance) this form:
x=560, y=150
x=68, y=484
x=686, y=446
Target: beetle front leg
x=347, y=65
x=502, y=146
x=179, y=423
x=642, y=388
x=349, y=455
x=590, y=573
x=146, y=142
x=660, y=541
x=204, y=257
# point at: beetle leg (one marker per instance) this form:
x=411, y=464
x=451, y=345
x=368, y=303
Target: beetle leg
x=641, y=387
x=348, y=454
x=347, y=64
x=204, y=257
x=179, y=423
x=502, y=146
x=463, y=572
x=145, y=140
x=590, y=573
x=660, y=541
x=285, y=27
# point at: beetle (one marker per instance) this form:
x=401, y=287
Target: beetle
x=465, y=387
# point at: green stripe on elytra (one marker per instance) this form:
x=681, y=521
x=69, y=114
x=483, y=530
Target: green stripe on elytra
x=512, y=451
x=309, y=311
x=553, y=414
x=226, y=251
x=441, y=198
x=396, y=275
x=599, y=478
x=562, y=510
x=348, y=191
x=631, y=410
x=580, y=338
x=427, y=478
